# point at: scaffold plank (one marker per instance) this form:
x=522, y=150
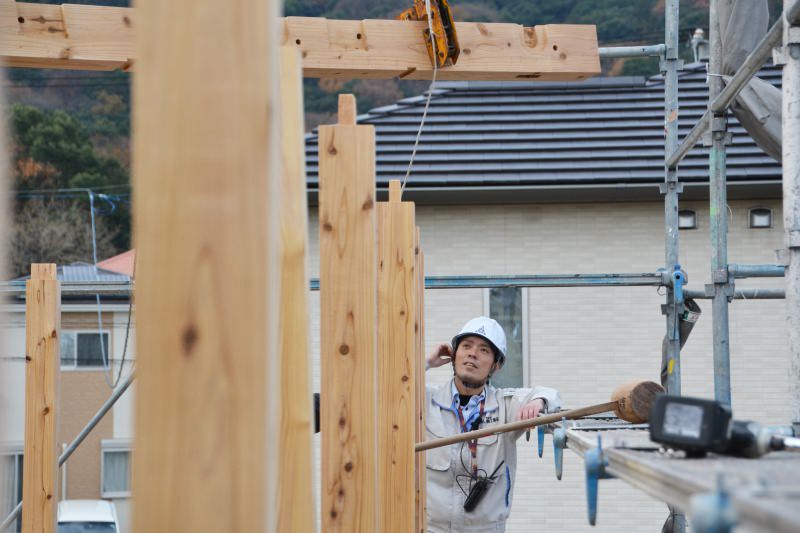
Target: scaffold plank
x=763, y=491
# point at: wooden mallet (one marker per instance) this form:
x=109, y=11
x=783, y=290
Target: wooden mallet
x=631, y=402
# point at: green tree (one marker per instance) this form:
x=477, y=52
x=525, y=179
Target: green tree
x=53, y=150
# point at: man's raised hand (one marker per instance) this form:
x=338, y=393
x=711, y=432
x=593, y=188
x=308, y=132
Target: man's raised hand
x=440, y=355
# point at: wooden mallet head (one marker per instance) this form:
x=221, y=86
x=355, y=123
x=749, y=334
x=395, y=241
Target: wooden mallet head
x=635, y=400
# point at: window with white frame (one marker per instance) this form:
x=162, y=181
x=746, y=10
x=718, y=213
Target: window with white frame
x=115, y=469
x=10, y=484
x=83, y=349
x=508, y=305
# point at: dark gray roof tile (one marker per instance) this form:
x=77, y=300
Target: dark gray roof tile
x=603, y=130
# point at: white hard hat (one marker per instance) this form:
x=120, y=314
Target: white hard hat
x=488, y=329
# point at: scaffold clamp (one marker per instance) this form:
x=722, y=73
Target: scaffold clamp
x=559, y=443
x=713, y=512
x=596, y=464
x=540, y=431
x=678, y=281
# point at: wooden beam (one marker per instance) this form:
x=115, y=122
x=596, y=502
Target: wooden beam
x=421, y=508
x=42, y=369
x=347, y=109
x=296, y=494
x=101, y=38
x=397, y=324
x=348, y=310
x=206, y=164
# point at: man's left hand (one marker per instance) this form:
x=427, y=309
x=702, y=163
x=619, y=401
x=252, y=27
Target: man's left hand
x=531, y=410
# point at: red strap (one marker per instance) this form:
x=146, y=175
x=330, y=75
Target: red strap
x=473, y=444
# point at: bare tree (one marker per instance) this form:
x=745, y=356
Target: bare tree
x=55, y=231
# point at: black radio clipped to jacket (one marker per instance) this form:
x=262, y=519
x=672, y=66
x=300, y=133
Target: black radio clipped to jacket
x=478, y=490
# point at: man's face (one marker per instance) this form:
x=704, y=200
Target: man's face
x=474, y=361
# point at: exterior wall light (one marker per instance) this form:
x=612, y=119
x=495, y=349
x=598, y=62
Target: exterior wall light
x=760, y=217
x=687, y=219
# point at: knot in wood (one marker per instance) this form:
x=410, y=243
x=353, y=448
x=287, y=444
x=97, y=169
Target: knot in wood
x=189, y=339
x=348, y=466
x=344, y=349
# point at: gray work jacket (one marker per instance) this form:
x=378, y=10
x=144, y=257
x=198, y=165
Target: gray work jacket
x=446, y=474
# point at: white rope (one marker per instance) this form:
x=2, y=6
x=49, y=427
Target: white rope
x=432, y=37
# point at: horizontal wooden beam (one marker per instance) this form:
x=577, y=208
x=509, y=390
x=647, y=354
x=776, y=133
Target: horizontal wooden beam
x=101, y=38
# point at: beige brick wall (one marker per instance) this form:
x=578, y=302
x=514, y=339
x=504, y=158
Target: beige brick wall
x=585, y=341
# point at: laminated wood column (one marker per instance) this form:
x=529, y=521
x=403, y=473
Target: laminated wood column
x=397, y=349
x=206, y=165
x=348, y=306
x=421, y=521
x=296, y=495
x=42, y=368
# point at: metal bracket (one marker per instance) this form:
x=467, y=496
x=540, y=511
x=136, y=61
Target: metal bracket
x=792, y=35
x=778, y=56
x=663, y=188
x=719, y=124
x=540, y=431
x=720, y=275
x=793, y=238
x=596, y=464
x=678, y=281
x=662, y=64
x=559, y=443
x=712, y=512
x=707, y=139
x=782, y=257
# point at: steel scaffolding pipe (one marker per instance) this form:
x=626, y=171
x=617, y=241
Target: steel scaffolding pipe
x=740, y=294
x=791, y=193
x=671, y=189
x=632, y=51
x=719, y=218
x=756, y=271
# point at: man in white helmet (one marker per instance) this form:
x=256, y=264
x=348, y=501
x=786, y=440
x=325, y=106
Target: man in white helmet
x=467, y=402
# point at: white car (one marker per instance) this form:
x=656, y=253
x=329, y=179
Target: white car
x=87, y=516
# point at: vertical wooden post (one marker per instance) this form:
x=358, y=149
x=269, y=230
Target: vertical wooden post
x=397, y=315
x=206, y=165
x=296, y=495
x=348, y=305
x=42, y=368
x=421, y=522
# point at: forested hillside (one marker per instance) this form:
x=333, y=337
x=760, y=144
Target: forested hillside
x=72, y=129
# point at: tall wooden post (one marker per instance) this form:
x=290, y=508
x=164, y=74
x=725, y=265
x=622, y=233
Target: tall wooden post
x=397, y=325
x=206, y=165
x=296, y=495
x=348, y=278
x=421, y=523
x=42, y=369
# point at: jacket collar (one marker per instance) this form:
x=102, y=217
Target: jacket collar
x=443, y=397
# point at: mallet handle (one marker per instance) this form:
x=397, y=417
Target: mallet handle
x=516, y=426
